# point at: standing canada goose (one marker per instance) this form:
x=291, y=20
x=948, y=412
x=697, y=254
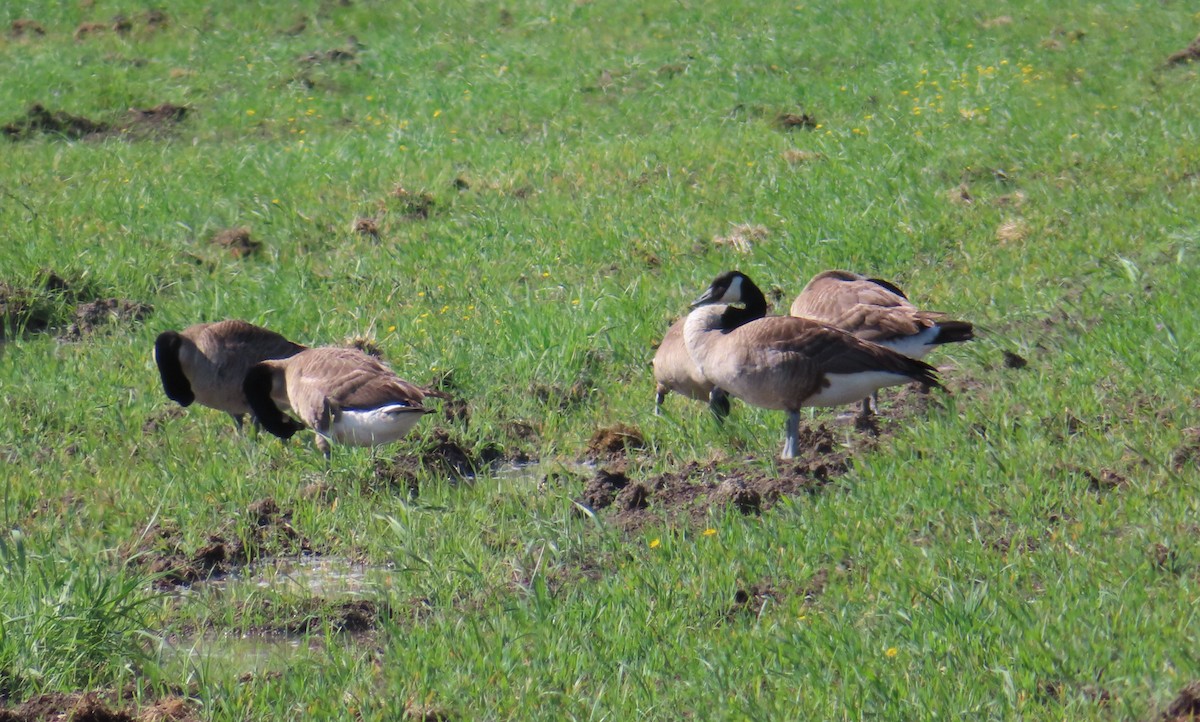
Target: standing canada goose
x=343, y=394
x=784, y=362
x=675, y=371
x=878, y=311
x=207, y=363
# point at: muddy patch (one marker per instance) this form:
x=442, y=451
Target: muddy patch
x=263, y=529
x=1190, y=54
x=1014, y=361
x=614, y=441
x=72, y=307
x=560, y=397
x=752, y=600
x=410, y=205
x=99, y=707
x=442, y=456
x=347, y=54
x=136, y=124
x=315, y=615
x=794, y=121
x=236, y=242
x=1185, y=707
x=692, y=491
x=1187, y=456
x=92, y=316
x=1057, y=691
x=25, y=28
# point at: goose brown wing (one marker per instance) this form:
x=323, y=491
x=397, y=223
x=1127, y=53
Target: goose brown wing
x=826, y=349
x=347, y=379
x=830, y=296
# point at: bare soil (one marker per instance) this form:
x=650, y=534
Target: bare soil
x=135, y=124
x=614, y=441
x=263, y=529
x=98, y=706
x=92, y=316
x=443, y=455
x=24, y=27
x=1188, y=454
x=237, y=242
x=1190, y=54
x=72, y=307
x=1185, y=707
x=690, y=492
x=751, y=600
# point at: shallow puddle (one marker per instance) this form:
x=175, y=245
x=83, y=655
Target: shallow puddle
x=240, y=655
x=324, y=577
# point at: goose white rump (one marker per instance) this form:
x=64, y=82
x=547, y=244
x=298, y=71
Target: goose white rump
x=372, y=427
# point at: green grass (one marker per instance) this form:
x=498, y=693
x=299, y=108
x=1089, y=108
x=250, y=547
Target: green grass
x=970, y=568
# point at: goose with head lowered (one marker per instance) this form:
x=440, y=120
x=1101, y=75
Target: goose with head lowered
x=878, y=311
x=207, y=363
x=785, y=362
x=675, y=371
x=344, y=395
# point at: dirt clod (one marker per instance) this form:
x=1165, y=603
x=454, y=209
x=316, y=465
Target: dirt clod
x=137, y=123
x=1014, y=361
x=602, y=490
x=39, y=120
x=1186, y=705
x=1188, y=453
x=1105, y=480
x=791, y=121
x=99, y=706
x=693, y=490
x=1190, y=54
x=367, y=227
x=23, y=27
x=616, y=440
x=91, y=316
x=263, y=529
x=443, y=455
x=237, y=242
x=413, y=205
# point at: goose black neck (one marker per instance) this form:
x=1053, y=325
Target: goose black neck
x=754, y=307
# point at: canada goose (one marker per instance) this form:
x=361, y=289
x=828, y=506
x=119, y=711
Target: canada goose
x=675, y=371
x=878, y=311
x=785, y=362
x=343, y=394
x=207, y=362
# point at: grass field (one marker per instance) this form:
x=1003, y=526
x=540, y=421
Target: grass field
x=514, y=201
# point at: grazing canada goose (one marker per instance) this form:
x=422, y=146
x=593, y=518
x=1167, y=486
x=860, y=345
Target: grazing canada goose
x=675, y=371
x=207, y=363
x=343, y=394
x=784, y=362
x=876, y=310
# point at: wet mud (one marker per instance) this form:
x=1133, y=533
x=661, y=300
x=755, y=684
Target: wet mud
x=262, y=529
x=690, y=492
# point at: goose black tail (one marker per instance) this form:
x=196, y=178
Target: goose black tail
x=954, y=332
